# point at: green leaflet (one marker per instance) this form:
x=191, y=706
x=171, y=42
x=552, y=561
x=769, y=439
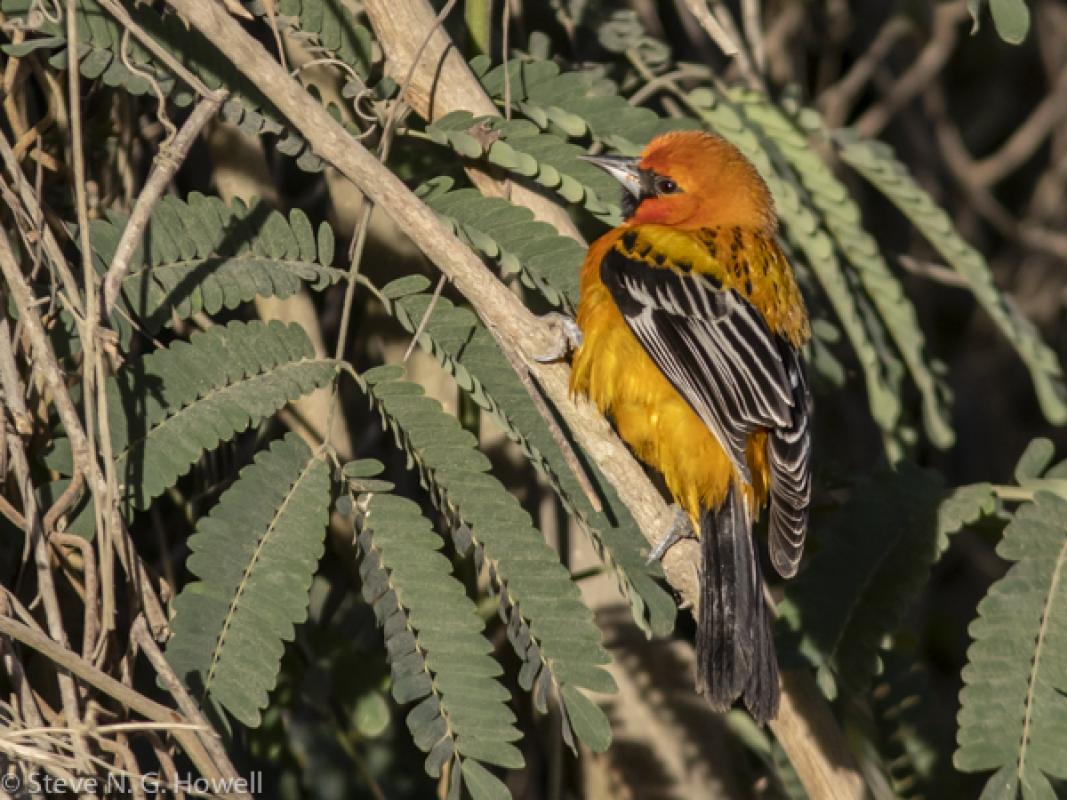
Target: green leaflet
x=333, y=28
x=203, y=255
x=520, y=148
x=434, y=642
x=841, y=215
x=872, y=566
x=254, y=556
x=877, y=163
x=575, y=103
x=545, y=260
x=1011, y=18
x=912, y=736
x=536, y=591
x=804, y=230
x=180, y=401
x=100, y=37
x=1013, y=715
x=456, y=338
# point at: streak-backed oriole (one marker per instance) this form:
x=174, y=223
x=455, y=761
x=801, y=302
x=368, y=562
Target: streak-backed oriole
x=692, y=324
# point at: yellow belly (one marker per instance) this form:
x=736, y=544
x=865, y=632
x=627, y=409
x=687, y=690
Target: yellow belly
x=613, y=370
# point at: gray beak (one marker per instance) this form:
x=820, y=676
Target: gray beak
x=622, y=169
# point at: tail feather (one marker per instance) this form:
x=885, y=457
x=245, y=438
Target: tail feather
x=735, y=641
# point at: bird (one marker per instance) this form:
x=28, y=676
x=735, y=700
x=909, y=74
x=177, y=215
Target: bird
x=689, y=336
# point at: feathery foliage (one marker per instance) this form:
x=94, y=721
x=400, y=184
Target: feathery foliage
x=202, y=255
x=520, y=148
x=876, y=162
x=913, y=743
x=436, y=650
x=871, y=567
x=182, y=400
x=254, y=556
x=549, y=627
x=575, y=103
x=468, y=352
x=1014, y=701
x=508, y=234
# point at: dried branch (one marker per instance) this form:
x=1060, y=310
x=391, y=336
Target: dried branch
x=184, y=731
x=836, y=101
x=443, y=83
x=963, y=169
x=29, y=201
x=947, y=21
x=1027, y=137
x=142, y=638
x=45, y=365
x=722, y=30
x=814, y=744
x=12, y=387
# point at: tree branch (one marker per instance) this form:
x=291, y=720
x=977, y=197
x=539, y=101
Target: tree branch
x=947, y=19
x=441, y=83
x=822, y=759
x=180, y=728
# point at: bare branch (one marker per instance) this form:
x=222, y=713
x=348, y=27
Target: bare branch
x=141, y=636
x=185, y=734
x=441, y=83
x=836, y=101
x=947, y=20
x=1027, y=137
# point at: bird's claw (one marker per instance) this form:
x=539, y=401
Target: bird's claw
x=568, y=337
x=681, y=528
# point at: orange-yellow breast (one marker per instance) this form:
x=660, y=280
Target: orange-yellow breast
x=613, y=370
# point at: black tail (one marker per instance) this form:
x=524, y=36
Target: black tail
x=735, y=641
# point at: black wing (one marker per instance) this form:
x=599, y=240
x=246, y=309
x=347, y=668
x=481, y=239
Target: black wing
x=717, y=351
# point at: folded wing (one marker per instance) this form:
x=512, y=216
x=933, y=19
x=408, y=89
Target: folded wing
x=736, y=374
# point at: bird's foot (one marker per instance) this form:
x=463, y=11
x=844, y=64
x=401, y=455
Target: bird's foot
x=681, y=528
x=568, y=337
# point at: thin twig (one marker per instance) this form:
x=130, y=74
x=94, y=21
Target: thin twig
x=946, y=30
x=115, y=9
x=558, y=436
x=1026, y=138
x=753, y=24
x=835, y=101
x=722, y=30
x=45, y=365
x=702, y=14
x=142, y=638
x=363, y=222
x=106, y=494
x=150, y=709
x=13, y=669
x=91, y=615
x=33, y=209
x=165, y=164
x=425, y=317
x=35, y=538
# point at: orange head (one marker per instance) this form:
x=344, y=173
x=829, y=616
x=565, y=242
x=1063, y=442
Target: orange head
x=690, y=179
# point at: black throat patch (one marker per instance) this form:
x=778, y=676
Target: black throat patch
x=630, y=203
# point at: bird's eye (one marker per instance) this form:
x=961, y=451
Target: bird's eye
x=666, y=186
